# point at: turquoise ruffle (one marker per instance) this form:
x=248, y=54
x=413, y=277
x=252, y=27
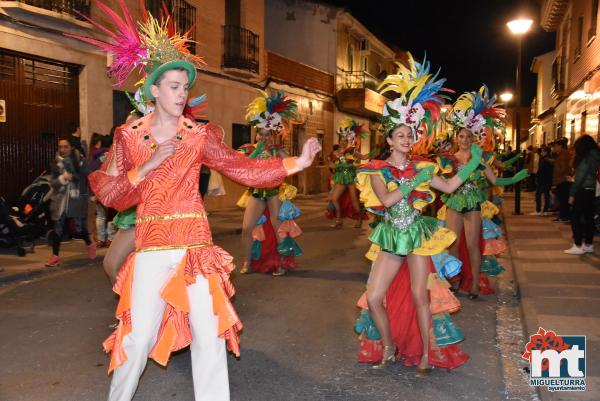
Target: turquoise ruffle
x=490, y=229
x=288, y=211
x=289, y=247
x=445, y=331
x=496, y=200
x=490, y=266
x=446, y=265
x=256, y=250
x=365, y=324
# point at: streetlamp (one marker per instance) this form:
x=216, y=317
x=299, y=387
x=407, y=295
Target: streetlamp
x=506, y=97
x=518, y=27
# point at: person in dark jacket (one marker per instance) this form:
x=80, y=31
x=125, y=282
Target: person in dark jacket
x=544, y=182
x=69, y=199
x=105, y=230
x=74, y=138
x=562, y=170
x=582, y=194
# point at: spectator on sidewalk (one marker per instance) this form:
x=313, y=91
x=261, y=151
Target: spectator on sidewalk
x=533, y=160
x=544, y=182
x=68, y=203
x=562, y=170
x=582, y=195
x=74, y=138
x=105, y=230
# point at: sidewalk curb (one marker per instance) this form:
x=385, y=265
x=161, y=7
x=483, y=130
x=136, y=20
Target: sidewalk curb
x=43, y=271
x=515, y=294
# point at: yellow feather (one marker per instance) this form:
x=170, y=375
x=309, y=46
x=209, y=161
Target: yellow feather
x=257, y=106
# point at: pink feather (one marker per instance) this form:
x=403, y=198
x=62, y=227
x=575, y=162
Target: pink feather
x=125, y=46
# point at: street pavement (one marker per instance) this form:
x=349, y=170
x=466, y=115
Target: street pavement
x=557, y=291
x=298, y=342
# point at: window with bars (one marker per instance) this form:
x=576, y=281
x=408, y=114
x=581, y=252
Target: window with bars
x=36, y=71
x=8, y=67
x=40, y=73
x=594, y=22
x=181, y=12
x=71, y=7
x=579, y=37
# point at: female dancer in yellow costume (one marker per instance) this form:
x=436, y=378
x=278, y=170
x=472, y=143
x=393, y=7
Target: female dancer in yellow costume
x=268, y=114
x=471, y=113
x=400, y=185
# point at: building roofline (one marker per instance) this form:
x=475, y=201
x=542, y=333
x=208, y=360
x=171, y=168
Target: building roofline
x=346, y=16
x=552, y=14
x=537, y=60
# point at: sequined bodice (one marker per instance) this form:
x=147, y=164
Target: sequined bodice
x=402, y=214
x=343, y=161
x=470, y=185
x=267, y=153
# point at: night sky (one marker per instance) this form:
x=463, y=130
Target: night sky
x=468, y=39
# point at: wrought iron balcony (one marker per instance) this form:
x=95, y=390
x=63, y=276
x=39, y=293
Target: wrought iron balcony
x=62, y=6
x=558, y=87
x=182, y=13
x=360, y=79
x=534, y=111
x=241, y=49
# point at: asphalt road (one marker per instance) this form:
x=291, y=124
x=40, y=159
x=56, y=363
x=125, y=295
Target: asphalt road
x=298, y=342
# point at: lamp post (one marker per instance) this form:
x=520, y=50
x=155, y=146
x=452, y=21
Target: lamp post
x=518, y=27
x=506, y=97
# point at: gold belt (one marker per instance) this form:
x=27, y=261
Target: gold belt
x=171, y=217
x=170, y=247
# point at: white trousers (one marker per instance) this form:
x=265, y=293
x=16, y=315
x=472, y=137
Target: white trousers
x=209, y=358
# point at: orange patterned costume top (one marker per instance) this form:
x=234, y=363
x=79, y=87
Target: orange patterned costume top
x=171, y=215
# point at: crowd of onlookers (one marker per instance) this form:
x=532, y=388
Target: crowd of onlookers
x=566, y=182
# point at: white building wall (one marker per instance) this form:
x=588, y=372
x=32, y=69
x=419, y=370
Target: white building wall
x=302, y=31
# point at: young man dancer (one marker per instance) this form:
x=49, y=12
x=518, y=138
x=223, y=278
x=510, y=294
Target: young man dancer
x=174, y=289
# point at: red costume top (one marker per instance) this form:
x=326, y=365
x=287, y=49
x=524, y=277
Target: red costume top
x=171, y=215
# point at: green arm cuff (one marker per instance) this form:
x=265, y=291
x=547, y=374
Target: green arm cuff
x=521, y=175
x=512, y=160
x=476, y=153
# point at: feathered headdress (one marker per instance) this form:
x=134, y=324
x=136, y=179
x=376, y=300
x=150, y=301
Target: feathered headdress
x=151, y=47
x=270, y=112
x=442, y=143
x=350, y=129
x=476, y=111
x=419, y=99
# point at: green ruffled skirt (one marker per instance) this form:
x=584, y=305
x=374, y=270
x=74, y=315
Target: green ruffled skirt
x=263, y=193
x=126, y=219
x=459, y=201
x=402, y=242
x=344, y=175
